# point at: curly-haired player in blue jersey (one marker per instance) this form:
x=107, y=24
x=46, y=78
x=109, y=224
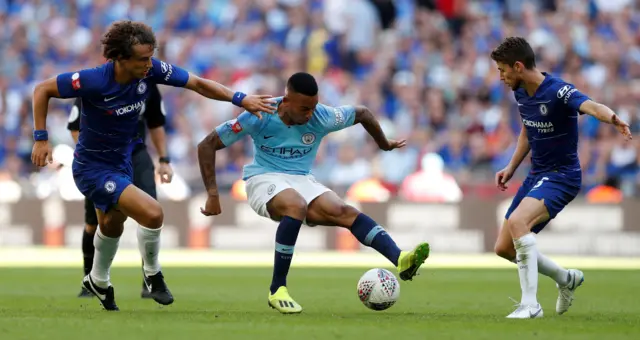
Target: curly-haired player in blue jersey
x=549, y=109
x=113, y=94
x=280, y=186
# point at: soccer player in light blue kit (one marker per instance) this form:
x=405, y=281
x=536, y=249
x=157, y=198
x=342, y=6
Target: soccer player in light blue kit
x=549, y=110
x=113, y=95
x=279, y=184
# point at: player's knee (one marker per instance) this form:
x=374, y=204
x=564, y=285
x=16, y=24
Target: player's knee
x=90, y=228
x=295, y=208
x=112, y=223
x=342, y=214
x=155, y=217
x=504, y=251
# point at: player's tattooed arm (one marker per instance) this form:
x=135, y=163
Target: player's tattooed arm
x=207, y=160
x=366, y=118
x=604, y=114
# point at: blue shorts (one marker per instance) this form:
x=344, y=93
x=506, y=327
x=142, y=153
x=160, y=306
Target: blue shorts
x=101, y=185
x=557, y=189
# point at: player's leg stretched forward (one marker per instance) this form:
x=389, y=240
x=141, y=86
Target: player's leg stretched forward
x=138, y=205
x=144, y=178
x=517, y=243
x=88, y=233
x=291, y=209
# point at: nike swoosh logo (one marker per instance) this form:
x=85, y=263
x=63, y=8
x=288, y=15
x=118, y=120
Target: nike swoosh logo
x=148, y=286
x=535, y=314
x=102, y=297
x=267, y=137
x=520, y=104
x=108, y=99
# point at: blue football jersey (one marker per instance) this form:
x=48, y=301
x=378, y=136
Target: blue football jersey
x=551, y=119
x=281, y=148
x=110, y=111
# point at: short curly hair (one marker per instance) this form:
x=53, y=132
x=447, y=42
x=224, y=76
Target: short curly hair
x=121, y=36
x=514, y=49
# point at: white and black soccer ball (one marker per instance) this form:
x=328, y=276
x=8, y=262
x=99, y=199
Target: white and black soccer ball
x=378, y=289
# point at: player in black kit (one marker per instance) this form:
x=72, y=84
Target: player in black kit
x=152, y=116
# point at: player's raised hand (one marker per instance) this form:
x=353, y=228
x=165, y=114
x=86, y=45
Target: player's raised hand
x=258, y=103
x=502, y=177
x=393, y=144
x=41, y=154
x=622, y=126
x=212, y=207
x=166, y=172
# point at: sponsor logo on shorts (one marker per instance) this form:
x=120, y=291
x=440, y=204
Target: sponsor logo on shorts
x=271, y=189
x=110, y=186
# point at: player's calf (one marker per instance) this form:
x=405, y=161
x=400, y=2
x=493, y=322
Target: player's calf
x=290, y=209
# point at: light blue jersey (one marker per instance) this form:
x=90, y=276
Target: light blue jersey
x=281, y=148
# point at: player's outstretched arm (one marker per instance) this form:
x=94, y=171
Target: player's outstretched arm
x=604, y=114
x=42, y=153
x=213, y=90
x=522, y=149
x=365, y=117
x=207, y=160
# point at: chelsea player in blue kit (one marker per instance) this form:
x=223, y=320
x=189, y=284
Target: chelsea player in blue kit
x=549, y=109
x=113, y=94
x=279, y=184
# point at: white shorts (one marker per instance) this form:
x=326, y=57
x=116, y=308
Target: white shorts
x=262, y=188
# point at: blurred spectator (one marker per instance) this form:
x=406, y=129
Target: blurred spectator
x=431, y=184
x=422, y=65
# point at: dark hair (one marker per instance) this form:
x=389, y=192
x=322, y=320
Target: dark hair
x=514, y=49
x=119, y=40
x=303, y=83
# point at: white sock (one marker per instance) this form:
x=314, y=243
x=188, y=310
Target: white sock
x=547, y=267
x=106, y=249
x=149, y=245
x=526, y=256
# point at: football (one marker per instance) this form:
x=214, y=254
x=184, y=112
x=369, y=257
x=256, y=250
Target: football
x=378, y=289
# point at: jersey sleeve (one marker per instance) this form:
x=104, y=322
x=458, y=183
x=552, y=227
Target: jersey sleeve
x=233, y=130
x=74, y=116
x=337, y=118
x=571, y=97
x=82, y=83
x=168, y=74
x=154, y=113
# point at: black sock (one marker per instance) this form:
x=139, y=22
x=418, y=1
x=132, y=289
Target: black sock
x=87, y=251
x=286, y=237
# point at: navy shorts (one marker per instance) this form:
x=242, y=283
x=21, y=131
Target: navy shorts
x=103, y=186
x=557, y=189
x=143, y=178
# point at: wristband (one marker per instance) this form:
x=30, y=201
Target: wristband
x=164, y=160
x=40, y=135
x=237, y=98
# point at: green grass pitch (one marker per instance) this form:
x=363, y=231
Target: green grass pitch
x=227, y=303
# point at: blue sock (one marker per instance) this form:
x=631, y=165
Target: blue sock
x=369, y=233
x=286, y=237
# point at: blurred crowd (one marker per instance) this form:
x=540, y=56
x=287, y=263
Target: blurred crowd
x=422, y=65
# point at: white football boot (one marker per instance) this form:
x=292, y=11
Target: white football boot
x=526, y=311
x=565, y=293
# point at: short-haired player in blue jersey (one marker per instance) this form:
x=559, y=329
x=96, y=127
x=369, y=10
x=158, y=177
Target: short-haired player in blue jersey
x=549, y=109
x=279, y=184
x=112, y=96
